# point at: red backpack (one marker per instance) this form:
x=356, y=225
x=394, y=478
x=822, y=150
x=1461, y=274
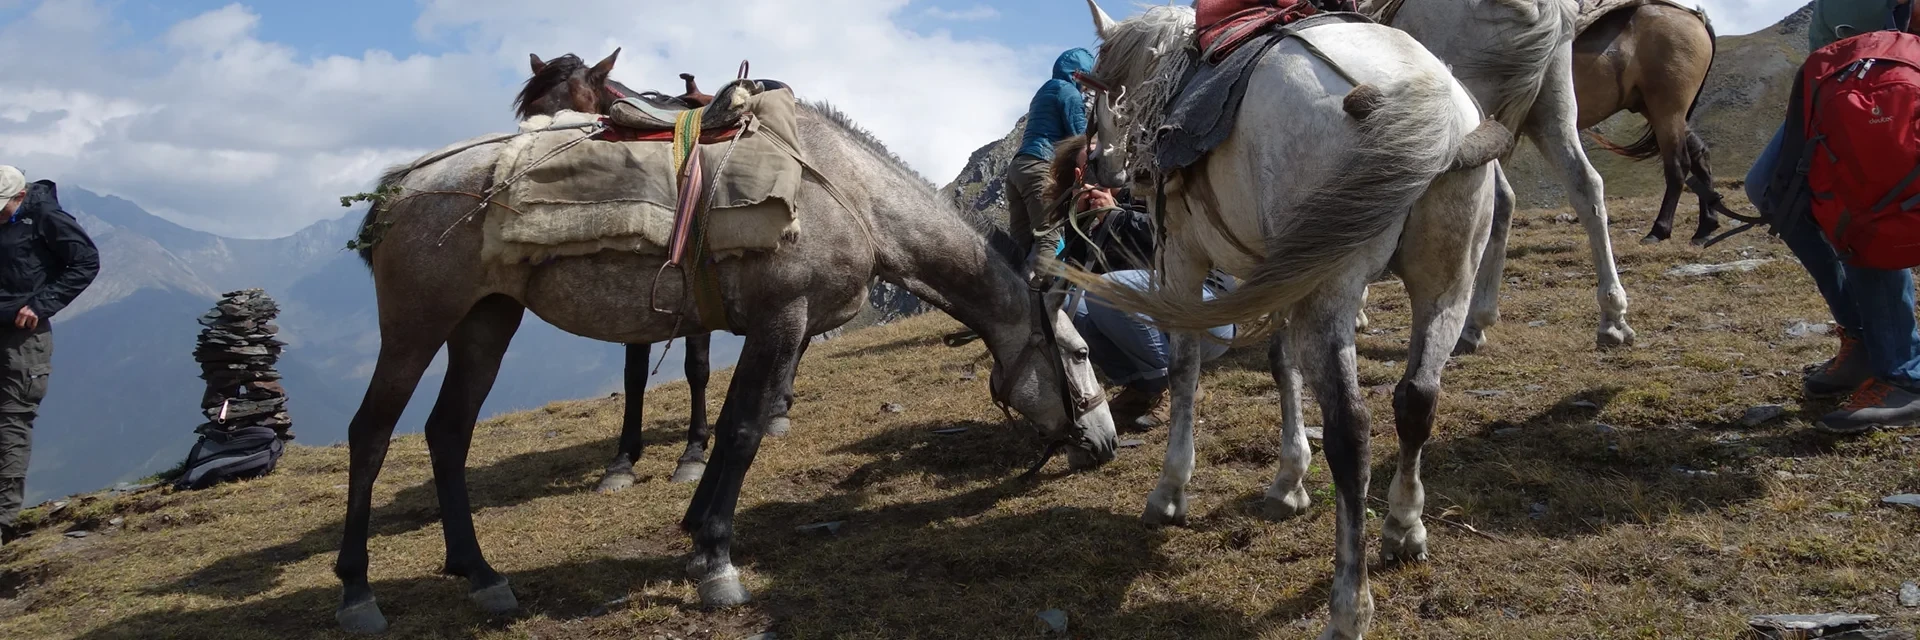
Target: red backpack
x=1863, y=135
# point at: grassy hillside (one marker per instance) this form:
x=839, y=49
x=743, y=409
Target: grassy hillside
x=1619, y=494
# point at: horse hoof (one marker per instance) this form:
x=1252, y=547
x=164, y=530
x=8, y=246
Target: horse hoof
x=1162, y=511
x=1620, y=335
x=1652, y=239
x=1281, y=508
x=723, y=589
x=689, y=472
x=615, y=482
x=778, y=426
x=362, y=618
x=497, y=599
x=1466, y=347
x=1403, y=547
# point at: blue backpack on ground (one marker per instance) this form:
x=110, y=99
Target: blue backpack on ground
x=219, y=456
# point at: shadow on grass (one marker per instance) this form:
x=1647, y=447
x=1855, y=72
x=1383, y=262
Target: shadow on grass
x=422, y=607
x=909, y=342
x=513, y=481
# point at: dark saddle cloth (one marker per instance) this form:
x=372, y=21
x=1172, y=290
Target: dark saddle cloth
x=1203, y=114
x=654, y=111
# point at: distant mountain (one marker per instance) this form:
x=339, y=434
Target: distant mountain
x=124, y=396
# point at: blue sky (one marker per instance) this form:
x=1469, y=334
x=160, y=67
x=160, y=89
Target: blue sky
x=250, y=118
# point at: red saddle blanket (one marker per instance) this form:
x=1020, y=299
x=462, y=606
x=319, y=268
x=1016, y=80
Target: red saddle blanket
x=1224, y=25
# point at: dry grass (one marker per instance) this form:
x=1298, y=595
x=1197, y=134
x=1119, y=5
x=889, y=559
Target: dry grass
x=1604, y=538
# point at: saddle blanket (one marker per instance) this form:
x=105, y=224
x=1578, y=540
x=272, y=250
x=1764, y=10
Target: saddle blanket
x=1591, y=11
x=620, y=195
x=1203, y=115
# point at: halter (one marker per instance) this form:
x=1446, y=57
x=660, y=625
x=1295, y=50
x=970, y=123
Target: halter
x=1041, y=338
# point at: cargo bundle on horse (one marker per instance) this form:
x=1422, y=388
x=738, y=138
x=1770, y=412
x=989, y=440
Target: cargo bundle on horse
x=481, y=231
x=566, y=82
x=1303, y=161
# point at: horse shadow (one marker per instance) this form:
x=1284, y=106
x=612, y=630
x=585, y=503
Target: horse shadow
x=909, y=342
x=509, y=482
x=984, y=450
x=417, y=606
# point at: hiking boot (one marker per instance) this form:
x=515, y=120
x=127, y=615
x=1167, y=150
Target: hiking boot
x=1140, y=406
x=1845, y=372
x=1875, y=404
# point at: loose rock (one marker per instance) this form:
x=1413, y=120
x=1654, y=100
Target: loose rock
x=1695, y=270
x=1808, y=626
x=1762, y=414
x=892, y=407
x=1910, y=595
x=1537, y=324
x=77, y=534
x=1802, y=329
x=1904, y=499
x=1585, y=404
x=1053, y=621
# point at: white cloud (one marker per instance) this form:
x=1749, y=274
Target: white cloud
x=975, y=13
x=217, y=129
x=1735, y=17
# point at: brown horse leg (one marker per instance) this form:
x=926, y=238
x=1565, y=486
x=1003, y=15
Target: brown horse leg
x=473, y=361
x=693, y=461
x=1700, y=181
x=406, y=349
x=763, y=376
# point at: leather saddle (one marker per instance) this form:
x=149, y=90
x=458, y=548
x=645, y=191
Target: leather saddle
x=655, y=111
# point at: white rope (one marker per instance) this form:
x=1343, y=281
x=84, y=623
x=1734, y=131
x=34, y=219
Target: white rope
x=486, y=199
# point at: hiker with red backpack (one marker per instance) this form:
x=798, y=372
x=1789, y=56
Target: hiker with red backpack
x=1838, y=185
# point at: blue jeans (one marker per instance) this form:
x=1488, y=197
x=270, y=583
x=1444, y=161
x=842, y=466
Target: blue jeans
x=1873, y=305
x=1124, y=346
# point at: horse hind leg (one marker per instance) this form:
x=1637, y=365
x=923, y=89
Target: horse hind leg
x=780, y=424
x=693, y=460
x=1673, y=167
x=1551, y=124
x=1322, y=335
x=406, y=350
x=1700, y=181
x=619, y=474
x=1287, y=497
x=1485, y=309
x=473, y=362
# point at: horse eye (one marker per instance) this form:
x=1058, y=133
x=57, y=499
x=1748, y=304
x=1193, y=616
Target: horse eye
x=1080, y=354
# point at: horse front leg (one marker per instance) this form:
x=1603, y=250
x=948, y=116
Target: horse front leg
x=1287, y=497
x=473, y=361
x=1185, y=274
x=619, y=474
x=763, y=376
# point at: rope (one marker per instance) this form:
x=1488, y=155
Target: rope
x=504, y=184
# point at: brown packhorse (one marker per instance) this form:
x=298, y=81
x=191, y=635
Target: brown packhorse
x=566, y=82
x=1652, y=59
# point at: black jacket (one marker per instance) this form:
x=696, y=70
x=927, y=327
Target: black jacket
x=46, y=259
x=1126, y=242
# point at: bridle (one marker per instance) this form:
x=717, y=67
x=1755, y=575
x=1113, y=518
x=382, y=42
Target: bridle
x=1041, y=339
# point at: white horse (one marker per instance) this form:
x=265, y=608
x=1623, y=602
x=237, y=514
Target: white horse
x=1336, y=182
x=1516, y=57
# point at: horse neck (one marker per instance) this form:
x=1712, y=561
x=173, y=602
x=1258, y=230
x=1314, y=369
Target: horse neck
x=933, y=252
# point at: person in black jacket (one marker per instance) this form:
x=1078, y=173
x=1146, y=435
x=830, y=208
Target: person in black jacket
x=46, y=260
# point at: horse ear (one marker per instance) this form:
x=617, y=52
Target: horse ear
x=538, y=65
x=1102, y=23
x=605, y=67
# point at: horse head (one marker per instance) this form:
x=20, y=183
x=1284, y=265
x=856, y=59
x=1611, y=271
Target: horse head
x=567, y=83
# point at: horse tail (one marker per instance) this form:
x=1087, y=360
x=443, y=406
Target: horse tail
x=1394, y=159
x=388, y=179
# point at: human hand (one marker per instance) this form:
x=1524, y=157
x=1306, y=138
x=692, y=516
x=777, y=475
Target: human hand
x=1098, y=198
x=26, y=319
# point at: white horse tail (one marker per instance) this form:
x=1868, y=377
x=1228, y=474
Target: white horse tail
x=1409, y=134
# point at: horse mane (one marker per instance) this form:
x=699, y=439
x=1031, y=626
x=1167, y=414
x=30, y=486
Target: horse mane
x=997, y=239
x=557, y=72
x=1148, y=55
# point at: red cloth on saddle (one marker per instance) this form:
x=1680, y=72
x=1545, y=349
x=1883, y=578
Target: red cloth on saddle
x=623, y=134
x=1226, y=24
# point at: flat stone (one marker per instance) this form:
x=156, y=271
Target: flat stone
x=1839, y=515
x=1762, y=414
x=1904, y=499
x=78, y=534
x=1585, y=404
x=1053, y=621
x=892, y=407
x=1822, y=623
x=1537, y=324
x=116, y=522
x=1487, y=393
x=822, y=528
x=1910, y=595
x=1696, y=270
x=1604, y=429
x=1534, y=387
x=1804, y=330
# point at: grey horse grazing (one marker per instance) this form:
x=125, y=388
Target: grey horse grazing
x=862, y=213
x=566, y=82
x=1516, y=57
x=1336, y=182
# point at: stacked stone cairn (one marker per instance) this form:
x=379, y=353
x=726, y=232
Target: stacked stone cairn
x=237, y=352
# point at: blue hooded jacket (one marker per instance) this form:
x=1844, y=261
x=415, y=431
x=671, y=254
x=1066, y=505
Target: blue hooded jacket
x=1057, y=111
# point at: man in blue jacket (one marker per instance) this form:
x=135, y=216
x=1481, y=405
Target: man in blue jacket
x=46, y=260
x=1056, y=113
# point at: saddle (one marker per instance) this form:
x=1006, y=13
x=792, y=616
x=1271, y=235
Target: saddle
x=654, y=111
